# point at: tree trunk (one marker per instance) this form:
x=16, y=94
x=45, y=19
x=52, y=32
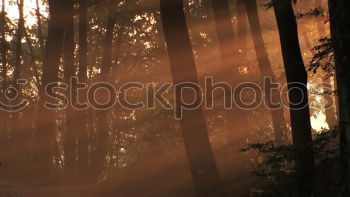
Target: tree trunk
x=3, y=114
x=83, y=72
x=330, y=110
x=277, y=114
x=340, y=32
x=200, y=156
x=4, y=46
x=298, y=95
x=33, y=58
x=15, y=121
x=225, y=33
x=40, y=30
x=47, y=117
x=69, y=72
x=230, y=59
x=103, y=114
x=242, y=32
x=18, y=52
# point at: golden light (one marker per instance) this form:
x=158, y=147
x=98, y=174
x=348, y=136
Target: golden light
x=28, y=11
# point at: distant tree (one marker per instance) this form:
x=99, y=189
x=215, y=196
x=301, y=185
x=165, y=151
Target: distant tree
x=18, y=49
x=225, y=33
x=40, y=29
x=4, y=49
x=298, y=95
x=105, y=76
x=231, y=59
x=242, y=31
x=277, y=114
x=69, y=72
x=200, y=156
x=340, y=33
x=83, y=78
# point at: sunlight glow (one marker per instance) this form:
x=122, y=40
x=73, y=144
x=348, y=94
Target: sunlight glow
x=28, y=9
x=318, y=121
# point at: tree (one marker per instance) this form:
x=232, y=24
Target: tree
x=69, y=72
x=4, y=49
x=40, y=30
x=340, y=33
x=18, y=49
x=277, y=114
x=201, y=160
x=15, y=126
x=242, y=31
x=330, y=110
x=82, y=75
x=298, y=95
x=231, y=60
x=225, y=32
x=47, y=125
x=102, y=114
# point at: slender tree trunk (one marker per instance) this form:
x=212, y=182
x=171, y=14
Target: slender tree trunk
x=47, y=117
x=108, y=40
x=277, y=114
x=82, y=75
x=242, y=31
x=69, y=72
x=330, y=110
x=33, y=58
x=16, y=136
x=103, y=114
x=200, y=156
x=231, y=59
x=225, y=32
x=4, y=46
x=340, y=32
x=3, y=114
x=39, y=23
x=15, y=122
x=18, y=52
x=298, y=95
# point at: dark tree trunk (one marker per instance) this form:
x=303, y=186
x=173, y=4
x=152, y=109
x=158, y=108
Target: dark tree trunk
x=277, y=114
x=330, y=110
x=47, y=117
x=200, y=156
x=298, y=95
x=83, y=72
x=69, y=72
x=340, y=32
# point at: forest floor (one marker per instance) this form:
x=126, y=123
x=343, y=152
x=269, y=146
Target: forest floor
x=153, y=178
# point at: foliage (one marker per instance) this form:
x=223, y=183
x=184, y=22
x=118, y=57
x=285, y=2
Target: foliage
x=270, y=4
x=316, y=12
x=275, y=166
x=324, y=57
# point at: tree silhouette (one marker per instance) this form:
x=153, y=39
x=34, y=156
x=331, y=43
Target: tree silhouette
x=298, y=95
x=201, y=160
